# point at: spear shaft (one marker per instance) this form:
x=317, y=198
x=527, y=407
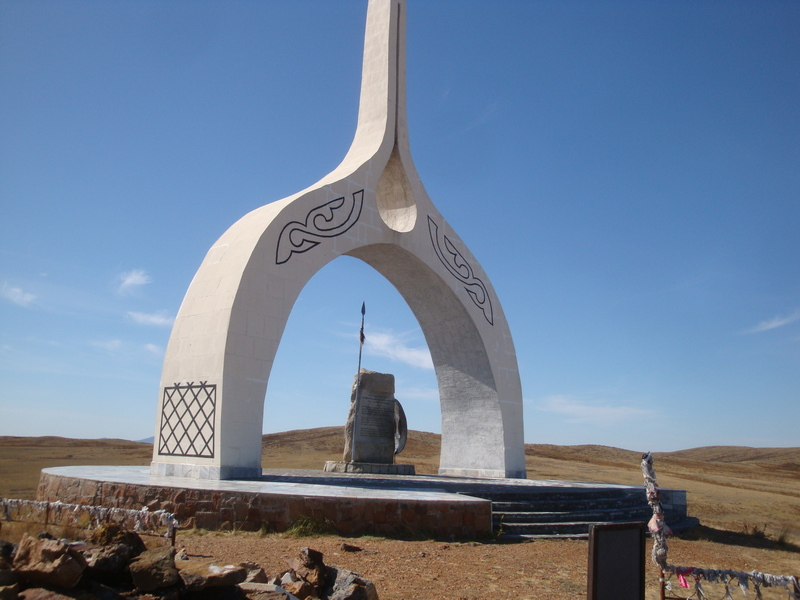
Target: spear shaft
x=358, y=384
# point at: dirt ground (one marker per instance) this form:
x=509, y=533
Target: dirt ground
x=556, y=570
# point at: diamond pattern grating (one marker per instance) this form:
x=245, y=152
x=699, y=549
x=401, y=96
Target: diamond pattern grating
x=187, y=420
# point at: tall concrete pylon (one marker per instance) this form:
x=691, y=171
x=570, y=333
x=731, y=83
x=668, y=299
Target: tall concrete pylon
x=374, y=207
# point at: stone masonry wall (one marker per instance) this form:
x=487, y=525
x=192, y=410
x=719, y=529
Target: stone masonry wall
x=241, y=511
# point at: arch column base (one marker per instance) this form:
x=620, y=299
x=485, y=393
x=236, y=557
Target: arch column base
x=194, y=471
x=484, y=473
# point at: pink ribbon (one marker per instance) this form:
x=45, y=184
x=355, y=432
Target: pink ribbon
x=681, y=579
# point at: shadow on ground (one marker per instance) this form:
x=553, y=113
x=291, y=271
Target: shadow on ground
x=753, y=538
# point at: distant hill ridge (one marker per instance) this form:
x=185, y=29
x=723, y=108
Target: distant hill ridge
x=426, y=445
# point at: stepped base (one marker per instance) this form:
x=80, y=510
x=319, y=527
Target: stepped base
x=579, y=531
x=570, y=513
x=361, y=503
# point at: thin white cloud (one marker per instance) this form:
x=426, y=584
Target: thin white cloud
x=154, y=350
x=130, y=280
x=394, y=347
x=774, y=323
x=108, y=345
x=159, y=319
x=16, y=295
x=580, y=411
x=420, y=393
x=45, y=342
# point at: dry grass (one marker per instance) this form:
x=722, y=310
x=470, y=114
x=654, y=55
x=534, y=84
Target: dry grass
x=748, y=500
x=729, y=488
x=759, y=487
x=751, y=491
x=22, y=458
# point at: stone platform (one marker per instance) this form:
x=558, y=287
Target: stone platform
x=353, y=503
x=337, y=466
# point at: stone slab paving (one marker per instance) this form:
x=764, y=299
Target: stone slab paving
x=319, y=483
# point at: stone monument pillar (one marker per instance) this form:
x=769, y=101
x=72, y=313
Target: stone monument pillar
x=376, y=428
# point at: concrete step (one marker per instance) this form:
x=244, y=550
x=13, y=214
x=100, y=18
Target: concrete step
x=565, y=513
x=572, y=530
x=545, y=536
x=547, y=505
x=610, y=515
x=566, y=529
x=559, y=495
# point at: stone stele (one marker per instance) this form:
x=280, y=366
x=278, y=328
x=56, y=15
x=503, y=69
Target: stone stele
x=378, y=428
x=373, y=422
x=374, y=207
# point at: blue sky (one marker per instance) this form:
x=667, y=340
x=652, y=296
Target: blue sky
x=628, y=174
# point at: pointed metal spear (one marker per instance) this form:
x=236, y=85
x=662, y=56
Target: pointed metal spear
x=358, y=384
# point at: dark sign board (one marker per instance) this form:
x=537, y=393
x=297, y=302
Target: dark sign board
x=616, y=562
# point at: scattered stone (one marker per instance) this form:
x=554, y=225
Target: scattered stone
x=301, y=589
x=346, y=585
x=230, y=592
x=155, y=569
x=9, y=592
x=265, y=591
x=255, y=574
x=99, y=591
x=309, y=566
x=42, y=594
x=210, y=574
x=48, y=562
x=7, y=551
x=109, y=564
x=56, y=570
x=276, y=595
x=7, y=576
x=109, y=534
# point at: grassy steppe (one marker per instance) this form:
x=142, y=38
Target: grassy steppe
x=745, y=490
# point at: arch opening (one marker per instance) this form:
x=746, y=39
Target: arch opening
x=313, y=369
x=471, y=414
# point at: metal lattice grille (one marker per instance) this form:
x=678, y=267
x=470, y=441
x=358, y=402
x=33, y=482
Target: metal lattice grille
x=187, y=420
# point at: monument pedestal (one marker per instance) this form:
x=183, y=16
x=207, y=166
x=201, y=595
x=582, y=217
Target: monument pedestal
x=337, y=466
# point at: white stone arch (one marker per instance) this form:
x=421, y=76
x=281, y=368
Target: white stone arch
x=372, y=207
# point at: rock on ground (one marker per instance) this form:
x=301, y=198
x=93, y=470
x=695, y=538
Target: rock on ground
x=155, y=569
x=198, y=576
x=346, y=585
x=48, y=562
